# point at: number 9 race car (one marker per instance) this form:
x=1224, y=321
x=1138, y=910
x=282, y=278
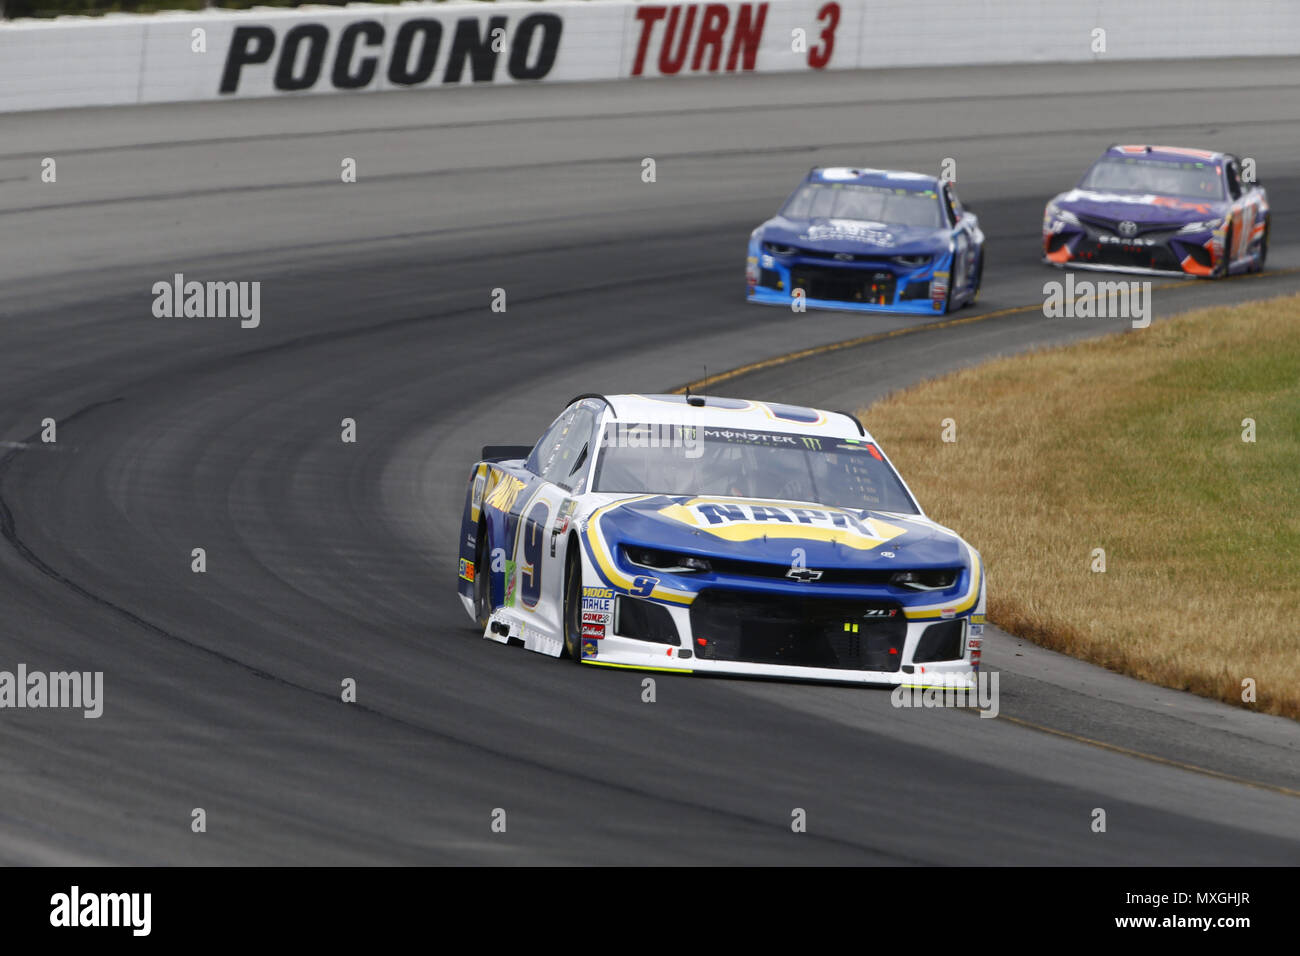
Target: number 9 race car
x=1160, y=210
x=717, y=536
x=868, y=240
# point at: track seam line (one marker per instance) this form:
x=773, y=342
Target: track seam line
x=698, y=385
x=1168, y=762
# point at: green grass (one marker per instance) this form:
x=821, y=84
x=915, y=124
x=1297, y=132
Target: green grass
x=1132, y=443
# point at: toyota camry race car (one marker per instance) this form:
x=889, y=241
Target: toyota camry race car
x=718, y=536
x=870, y=240
x=1160, y=210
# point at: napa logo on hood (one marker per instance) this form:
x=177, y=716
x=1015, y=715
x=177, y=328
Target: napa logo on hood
x=748, y=521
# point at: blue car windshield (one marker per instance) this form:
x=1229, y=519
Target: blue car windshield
x=666, y=459
x=895, y=207
x=1159, y=177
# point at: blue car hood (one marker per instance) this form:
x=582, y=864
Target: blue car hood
x=855, y=236
x=746, y=529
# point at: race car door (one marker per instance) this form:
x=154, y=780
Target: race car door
x=963, y=256
x=541, y=543
x=1245, y=215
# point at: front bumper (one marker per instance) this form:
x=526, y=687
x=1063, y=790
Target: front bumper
x=1155, y=252
x=862, y=285
x=738, y=633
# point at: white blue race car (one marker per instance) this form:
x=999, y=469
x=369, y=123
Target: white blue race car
x=868, y=240
x=719, y=536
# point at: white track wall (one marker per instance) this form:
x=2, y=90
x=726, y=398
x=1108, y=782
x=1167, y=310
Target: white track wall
x=122, y=59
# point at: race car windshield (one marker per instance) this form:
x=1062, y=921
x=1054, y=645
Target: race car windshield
x=685, y=460
x=899, y=207
x=1184, y=180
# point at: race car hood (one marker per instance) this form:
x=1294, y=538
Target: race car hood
x=747, y=529
x=855, y=236
x=1139, y=208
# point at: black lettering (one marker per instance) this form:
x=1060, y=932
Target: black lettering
x=399, y=70
x=374, y=36
x=468, y=43
x=521, y=45
x=317, y=37
x=247, y=45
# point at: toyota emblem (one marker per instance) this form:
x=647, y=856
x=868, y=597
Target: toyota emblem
x=1128, y=228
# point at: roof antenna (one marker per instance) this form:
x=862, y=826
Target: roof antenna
x=696, y=401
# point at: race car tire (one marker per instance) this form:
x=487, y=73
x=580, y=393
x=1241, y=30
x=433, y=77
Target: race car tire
x=573, y=606
x=1263, y=249
x=1221, y=269
x=482, y=580
x=979, y=280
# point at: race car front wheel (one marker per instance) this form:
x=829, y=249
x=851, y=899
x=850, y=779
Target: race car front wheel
x=573, y=606
x=978, y=282
x=1221, y=269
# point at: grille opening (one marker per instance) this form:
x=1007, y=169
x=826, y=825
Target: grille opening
x=917, y=289
x=805, y=632
x=940, y=642
x=1145, y=257
x=844, y=285
x=644, y=621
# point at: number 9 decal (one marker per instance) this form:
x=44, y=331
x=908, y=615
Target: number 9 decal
x=643, y=585
x=820, y=55
x=530, y=575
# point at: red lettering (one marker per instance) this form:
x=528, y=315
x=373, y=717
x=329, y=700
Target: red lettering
x=749, y=33
x=648, y=16
x=713, y=29
x=819, y=56
x=670, y=64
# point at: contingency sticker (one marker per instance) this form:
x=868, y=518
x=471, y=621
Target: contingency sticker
x=594, y=624
x=510, y=583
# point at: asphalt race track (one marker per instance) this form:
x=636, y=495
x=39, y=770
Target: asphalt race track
x=329, y=561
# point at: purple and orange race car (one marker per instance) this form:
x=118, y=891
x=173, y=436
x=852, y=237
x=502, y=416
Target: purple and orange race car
x=1160, y=210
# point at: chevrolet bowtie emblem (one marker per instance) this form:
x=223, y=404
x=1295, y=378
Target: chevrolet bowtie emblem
x=803, y=574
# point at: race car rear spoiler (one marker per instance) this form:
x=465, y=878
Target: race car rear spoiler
x=505, y=452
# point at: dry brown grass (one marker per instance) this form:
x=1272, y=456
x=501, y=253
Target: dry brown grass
x=1131, y=443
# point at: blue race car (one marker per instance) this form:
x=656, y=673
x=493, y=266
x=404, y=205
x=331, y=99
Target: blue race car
x=1160, y=210
x=868, y=240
